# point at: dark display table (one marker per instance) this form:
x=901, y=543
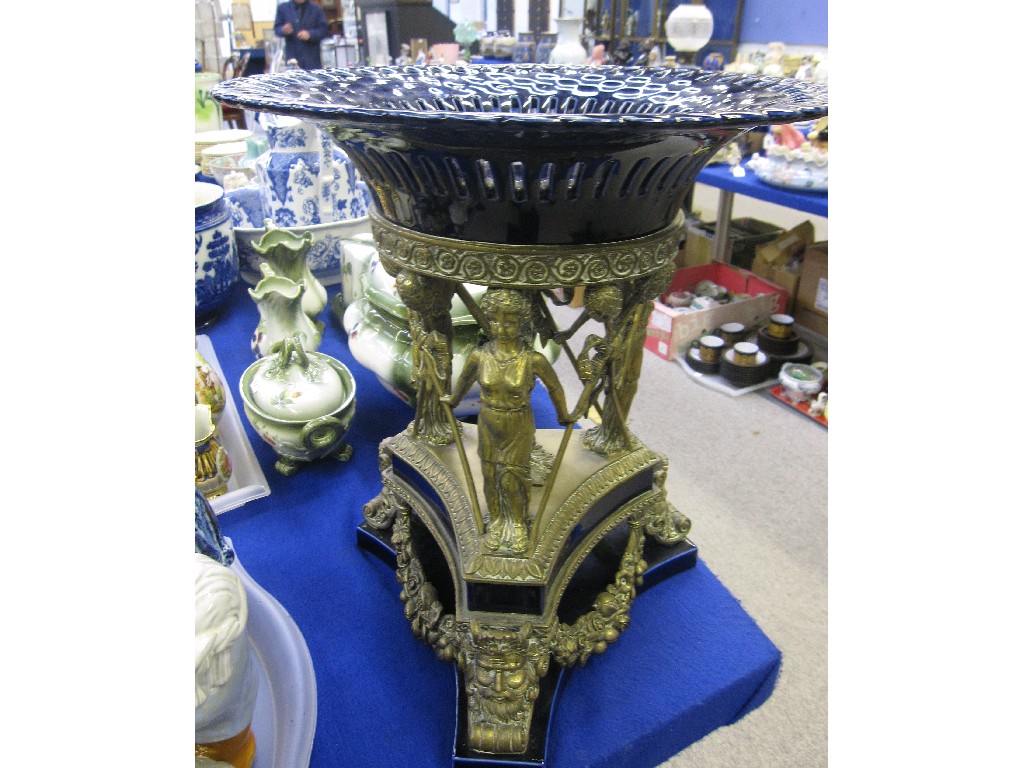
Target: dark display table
x=691, y=662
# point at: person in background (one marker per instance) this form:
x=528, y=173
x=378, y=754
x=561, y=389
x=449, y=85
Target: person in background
x=303, y=25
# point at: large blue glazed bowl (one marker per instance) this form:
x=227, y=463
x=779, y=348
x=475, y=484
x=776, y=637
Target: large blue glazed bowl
x=216, y=254
x=531, y=154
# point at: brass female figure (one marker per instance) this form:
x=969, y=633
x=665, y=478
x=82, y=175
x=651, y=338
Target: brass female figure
x=506, y=367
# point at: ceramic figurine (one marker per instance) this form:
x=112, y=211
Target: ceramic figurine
x=791, y=163
x=632, y=20
x=226, y=674
x=404, y=58
x=209, y=388
x=285, y=252
x=209, y=540
x=301, y=403
x=820, y=405
x=622, y=53
x=213, y=467
x=654, y=55
x=279, y=301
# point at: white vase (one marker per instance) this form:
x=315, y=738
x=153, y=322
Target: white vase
x=569, y=49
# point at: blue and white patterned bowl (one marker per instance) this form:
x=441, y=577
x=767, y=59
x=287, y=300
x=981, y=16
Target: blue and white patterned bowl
x=325, y=255
x=216, y=253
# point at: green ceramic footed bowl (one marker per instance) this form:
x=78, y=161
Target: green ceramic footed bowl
x=300, y=439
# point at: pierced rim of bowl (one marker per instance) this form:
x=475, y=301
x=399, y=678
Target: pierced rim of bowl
x=537, y=94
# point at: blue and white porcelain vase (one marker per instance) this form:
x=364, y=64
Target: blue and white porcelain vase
x=303, y=178
x=216, y=255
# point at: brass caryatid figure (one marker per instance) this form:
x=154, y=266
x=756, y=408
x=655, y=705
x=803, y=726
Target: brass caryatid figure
x=429, y=302
x=506, y=368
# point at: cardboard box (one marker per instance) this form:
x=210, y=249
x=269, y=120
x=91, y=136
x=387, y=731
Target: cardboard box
x=781, y=249
x=781, y=276
x=670, y=331
x=745, y=234
x=811, y=320
x=813, y=291
x=780, y=260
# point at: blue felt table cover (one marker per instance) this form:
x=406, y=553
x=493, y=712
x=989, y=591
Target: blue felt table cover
x=691, y=661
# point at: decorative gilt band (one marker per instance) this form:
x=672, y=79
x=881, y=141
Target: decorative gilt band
x=526, y=266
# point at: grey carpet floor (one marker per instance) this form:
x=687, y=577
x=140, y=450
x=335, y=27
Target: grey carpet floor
x=752, y=476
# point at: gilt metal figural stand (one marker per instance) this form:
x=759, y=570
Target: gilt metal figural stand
x=516, y=546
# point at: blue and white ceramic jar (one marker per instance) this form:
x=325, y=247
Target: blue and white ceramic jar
x=303, y=178
x=216, y=255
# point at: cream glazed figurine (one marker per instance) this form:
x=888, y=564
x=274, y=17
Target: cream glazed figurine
x=226, y=678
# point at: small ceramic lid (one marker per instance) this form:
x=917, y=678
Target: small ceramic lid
x=296, y=386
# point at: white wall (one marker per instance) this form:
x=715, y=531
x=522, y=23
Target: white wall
x=463, y=10
x=262, y=10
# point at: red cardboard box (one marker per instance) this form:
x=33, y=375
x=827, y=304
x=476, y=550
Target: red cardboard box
x=670, y=331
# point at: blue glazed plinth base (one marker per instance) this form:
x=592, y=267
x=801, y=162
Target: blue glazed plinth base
x=599, y=568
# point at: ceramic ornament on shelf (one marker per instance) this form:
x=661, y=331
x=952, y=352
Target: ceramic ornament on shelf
x=227, y=680
x=279, y=301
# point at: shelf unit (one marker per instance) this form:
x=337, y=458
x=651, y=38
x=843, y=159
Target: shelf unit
x=612, y=24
